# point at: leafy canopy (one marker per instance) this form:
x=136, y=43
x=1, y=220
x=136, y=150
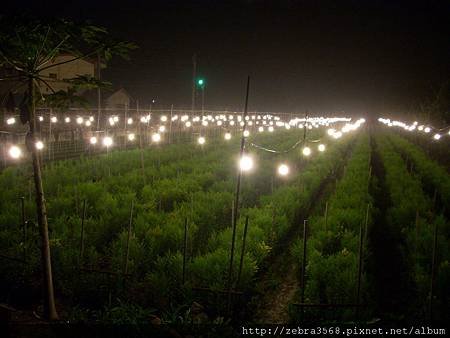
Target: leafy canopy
x=28, y=46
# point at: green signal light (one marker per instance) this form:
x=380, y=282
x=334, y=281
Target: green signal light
x=201, y=82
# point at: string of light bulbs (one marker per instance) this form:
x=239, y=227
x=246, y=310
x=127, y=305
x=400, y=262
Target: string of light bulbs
x=416, y=127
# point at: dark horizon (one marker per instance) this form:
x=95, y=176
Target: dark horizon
x=316, y=56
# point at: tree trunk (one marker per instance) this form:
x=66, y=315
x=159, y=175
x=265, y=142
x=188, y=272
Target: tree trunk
x=49, y=298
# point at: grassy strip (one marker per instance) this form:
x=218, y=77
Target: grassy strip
x=412, y=214
x=333, y=241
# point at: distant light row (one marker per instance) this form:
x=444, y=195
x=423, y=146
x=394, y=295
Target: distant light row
x=415, y=126
x=345, y=129
x=219, y=120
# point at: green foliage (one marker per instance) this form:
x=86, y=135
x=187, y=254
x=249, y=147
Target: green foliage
x=411, y=211
x=332, y=246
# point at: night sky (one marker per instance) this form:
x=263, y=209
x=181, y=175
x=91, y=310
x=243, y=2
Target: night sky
x=320, y=56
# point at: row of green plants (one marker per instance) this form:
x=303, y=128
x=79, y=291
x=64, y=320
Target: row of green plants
x=269, y=221
x=412, y=212
x=198, y=185
x=333, y=240
x=433, y=175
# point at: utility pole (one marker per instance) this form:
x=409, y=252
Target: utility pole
x=194, y=75
x=99, y=93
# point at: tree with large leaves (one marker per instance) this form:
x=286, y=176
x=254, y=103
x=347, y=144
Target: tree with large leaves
x=28, y=47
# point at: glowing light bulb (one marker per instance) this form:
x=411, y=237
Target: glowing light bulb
x=54, y=119
x=201, y=140
x=306, y=151
x=88, y=123
x=227, y=136
x=93, y=140
x=321, y=147
x=107, y=141
x=270, y=129
x=41, y=118
x=261, y=129
x=246, y=163
x=130, y=120
x=131, y=137
x=164, y=118
x=79, y=120
x=15, y=152
x=283, y=169
x=156, y=137
x=337, y=134
x=39, y=145
x=162, y=129
x=246, y=133
x=67, y=120
x=437, y=136
x=10, y=121
x=427, y=130
x=188, y=124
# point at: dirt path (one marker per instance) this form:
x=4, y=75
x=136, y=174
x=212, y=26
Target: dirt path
x=387, y=264
x=275, y=303
x=278, y=285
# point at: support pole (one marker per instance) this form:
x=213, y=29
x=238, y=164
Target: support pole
x=433, y=268
x=185, y=249
x=128, y=239
x=24, y=226
x=360, y=254
x=170, y=124
x=236, y=200
x=82, y=233
x=304, y=265
x=326, y=215
x=140, y=143
x=241, y=262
